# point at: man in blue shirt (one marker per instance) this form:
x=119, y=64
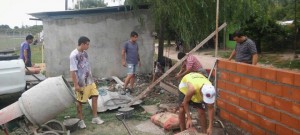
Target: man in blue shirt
x=25, y=52
x=130, y=59
x=245, y=50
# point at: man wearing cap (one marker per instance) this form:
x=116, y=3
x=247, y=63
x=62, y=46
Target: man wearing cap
x=196, y=90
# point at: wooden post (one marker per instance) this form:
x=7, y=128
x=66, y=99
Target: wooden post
x=149, y=88
x=217, y=31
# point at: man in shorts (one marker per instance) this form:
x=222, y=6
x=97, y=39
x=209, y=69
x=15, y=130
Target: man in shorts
x=130, y=59
x=196, y=90
x=84, y=85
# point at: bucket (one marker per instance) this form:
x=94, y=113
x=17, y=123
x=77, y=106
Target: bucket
x=44, y=101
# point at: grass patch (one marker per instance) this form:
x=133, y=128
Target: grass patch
x=10, y=43
x=277, y=62
x=108, y=116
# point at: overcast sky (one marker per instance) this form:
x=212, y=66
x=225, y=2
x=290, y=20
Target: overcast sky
x=14, y=12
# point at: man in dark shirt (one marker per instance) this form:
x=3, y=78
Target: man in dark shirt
x=245, y=50
x=25, y=51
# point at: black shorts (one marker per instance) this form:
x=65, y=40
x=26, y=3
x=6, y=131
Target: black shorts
x=201, y=105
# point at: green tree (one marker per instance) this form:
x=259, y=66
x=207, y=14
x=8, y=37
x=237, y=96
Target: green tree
x=193, y=20
x=84, y=4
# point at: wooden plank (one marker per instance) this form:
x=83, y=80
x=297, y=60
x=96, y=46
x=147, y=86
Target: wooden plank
x=169, y=88
x=149, y=88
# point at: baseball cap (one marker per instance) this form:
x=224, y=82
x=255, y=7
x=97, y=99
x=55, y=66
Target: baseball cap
x=209, y=93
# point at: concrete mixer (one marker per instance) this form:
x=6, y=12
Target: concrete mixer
x=38, y=105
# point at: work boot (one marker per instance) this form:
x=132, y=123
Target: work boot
x=97, y=120
x=81, y=124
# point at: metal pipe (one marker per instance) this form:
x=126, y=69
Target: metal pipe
x=121, y=117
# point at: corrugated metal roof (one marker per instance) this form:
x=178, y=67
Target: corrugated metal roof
x=59, y=14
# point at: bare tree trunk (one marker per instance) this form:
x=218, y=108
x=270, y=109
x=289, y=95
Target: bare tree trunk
x=161, y=41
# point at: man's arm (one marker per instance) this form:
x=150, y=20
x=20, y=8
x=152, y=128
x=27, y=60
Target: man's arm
x=210, y=118
x=185, y=103
x=75, y=81
x=254, y=59
x=184, y=73
x=123, y=57
x=139, y=60
x=25, y=56
x=232, y=55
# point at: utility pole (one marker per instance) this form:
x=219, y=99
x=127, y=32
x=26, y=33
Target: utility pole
x=217, y=27
x=296, y=30
x=66, y=4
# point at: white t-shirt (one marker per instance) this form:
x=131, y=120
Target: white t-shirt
x=80, y=64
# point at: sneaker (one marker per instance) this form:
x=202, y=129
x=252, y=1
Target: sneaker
x=127, y=90
x=97, y=120
x=81, y=124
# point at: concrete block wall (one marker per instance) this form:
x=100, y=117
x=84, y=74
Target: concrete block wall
x=107, y=32
x=260, y=100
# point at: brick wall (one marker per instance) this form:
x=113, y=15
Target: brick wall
x=260, y=100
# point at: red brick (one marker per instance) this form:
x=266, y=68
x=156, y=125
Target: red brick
x=234, y=120
x=230, y=87
x=296, y=109
x=259, y=85
x=221, y=104
x=257, y=131
x=272, y=114
x=241, y=91
x=253, y=95
x=296, y=133
x=269, y=74
x=223, y=95
x=235, y=78
x=221, y=64
x=267, y=100
x=231, y=66
x=274, y=89
x=281, y=130
x=245, y=125
x=231, y=108
x=246, y=81
x=254, y=118
x=297, y=79
x=242, y=68
x=221, y=84
x=283, y=104
x=258, y=108
x=289, y=121
x=234, y=99
x=267, y=124
x=254, y=70
x=287, y=92
x=296, y=94
x=242, y=113
x=285, y=77
x=224, y=76
x=224, y=115
x=245, y=104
